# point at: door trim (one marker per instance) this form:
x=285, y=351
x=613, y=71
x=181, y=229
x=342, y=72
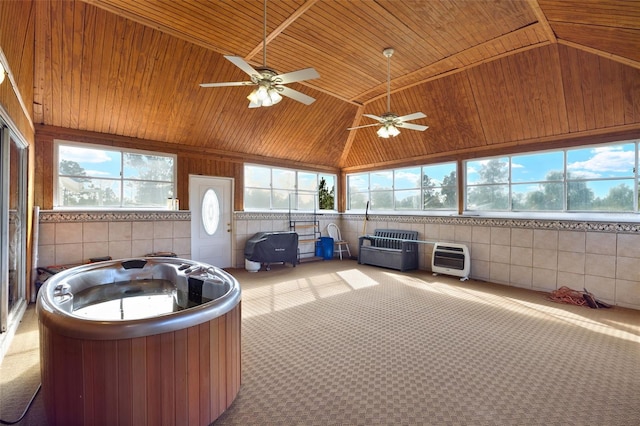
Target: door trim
x=230, y=211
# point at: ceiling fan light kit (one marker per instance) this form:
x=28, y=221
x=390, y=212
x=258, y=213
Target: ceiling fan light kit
x=388, y=130
x=389, y=121
x=263, y=96
x=271, y=85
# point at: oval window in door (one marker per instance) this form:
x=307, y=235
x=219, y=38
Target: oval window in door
x=210, y=212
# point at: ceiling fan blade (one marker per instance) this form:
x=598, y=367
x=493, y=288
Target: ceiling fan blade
x=366, y=125
x=413, y=116
x=295, y=95
x=375, y=117
x=300, y=75
x=229, y=83
x=243, y=65
x=412, y=126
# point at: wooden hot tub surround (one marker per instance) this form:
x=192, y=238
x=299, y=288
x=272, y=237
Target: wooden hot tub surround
x=188, y=374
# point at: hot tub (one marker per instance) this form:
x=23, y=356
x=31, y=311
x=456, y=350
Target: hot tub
x=139, y=341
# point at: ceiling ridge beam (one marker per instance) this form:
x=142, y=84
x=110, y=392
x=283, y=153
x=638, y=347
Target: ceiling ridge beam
x=283, y=26
x=542, y=19
x=351, y=137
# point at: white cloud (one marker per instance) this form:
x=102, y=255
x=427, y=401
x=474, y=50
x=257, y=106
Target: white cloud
x=411, y=177
x=604, y=159
x=97, y=173
x=82, y=155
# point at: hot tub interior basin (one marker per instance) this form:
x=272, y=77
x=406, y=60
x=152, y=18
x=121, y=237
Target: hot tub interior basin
x=149, y=291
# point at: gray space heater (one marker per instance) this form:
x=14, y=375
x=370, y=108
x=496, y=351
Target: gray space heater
x=451, y=259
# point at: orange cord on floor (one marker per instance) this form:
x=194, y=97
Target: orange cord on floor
x=567, y=295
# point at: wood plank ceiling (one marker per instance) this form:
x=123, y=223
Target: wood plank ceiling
x=485, y=72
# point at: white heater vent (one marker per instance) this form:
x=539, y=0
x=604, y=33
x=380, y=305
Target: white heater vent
x=451, y=259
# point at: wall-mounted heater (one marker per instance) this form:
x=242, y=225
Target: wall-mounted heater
x=451, y=259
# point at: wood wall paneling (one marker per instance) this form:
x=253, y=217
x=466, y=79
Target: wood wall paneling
x=603, y=13
x=17, y=32
x=631, y=83
x=609, y=41
x=43, y=179
x=599, y=93
x=514, y=96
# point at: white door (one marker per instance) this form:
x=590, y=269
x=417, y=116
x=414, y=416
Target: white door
x=210, y=206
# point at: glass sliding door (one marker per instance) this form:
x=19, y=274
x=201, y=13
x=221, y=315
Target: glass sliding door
x=13, y=176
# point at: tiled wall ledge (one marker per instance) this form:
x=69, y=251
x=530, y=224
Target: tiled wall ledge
x=51, y=216
x=285, y=216
x=549, y=224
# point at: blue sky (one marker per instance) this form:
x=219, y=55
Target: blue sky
x=96, y=162
x=587, y=163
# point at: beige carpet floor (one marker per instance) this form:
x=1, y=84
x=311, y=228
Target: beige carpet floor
x=336, y=343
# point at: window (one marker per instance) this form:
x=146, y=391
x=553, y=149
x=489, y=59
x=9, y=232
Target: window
x=416, y=188
x=537, y=181
x=440, y=187
x=93, y=176
x=358, y=191
x=273, y=188
x=592, y=179
x=488, y=184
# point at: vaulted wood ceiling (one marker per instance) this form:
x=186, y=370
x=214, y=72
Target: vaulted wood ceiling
x=486, y=73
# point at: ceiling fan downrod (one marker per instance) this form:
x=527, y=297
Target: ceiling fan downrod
x=264, y=35
x=388, y=52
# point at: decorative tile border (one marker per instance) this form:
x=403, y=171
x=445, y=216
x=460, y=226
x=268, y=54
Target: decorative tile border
x=549, y=224
x=260, y=216
x=560, y=225
x=50, y=216
x=141, y=216
x=284, y=216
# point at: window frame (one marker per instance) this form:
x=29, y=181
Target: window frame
x=567, y=180
x=296, y=191
x=370, y=192
x=57, y=205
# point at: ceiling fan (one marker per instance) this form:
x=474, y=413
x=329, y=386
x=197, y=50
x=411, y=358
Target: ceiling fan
x=271, y=85
x=389, y=121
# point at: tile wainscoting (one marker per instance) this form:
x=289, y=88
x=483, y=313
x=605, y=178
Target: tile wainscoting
x=603, y=257
x=543, y=255
x=246, y=224
x=75, y=237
